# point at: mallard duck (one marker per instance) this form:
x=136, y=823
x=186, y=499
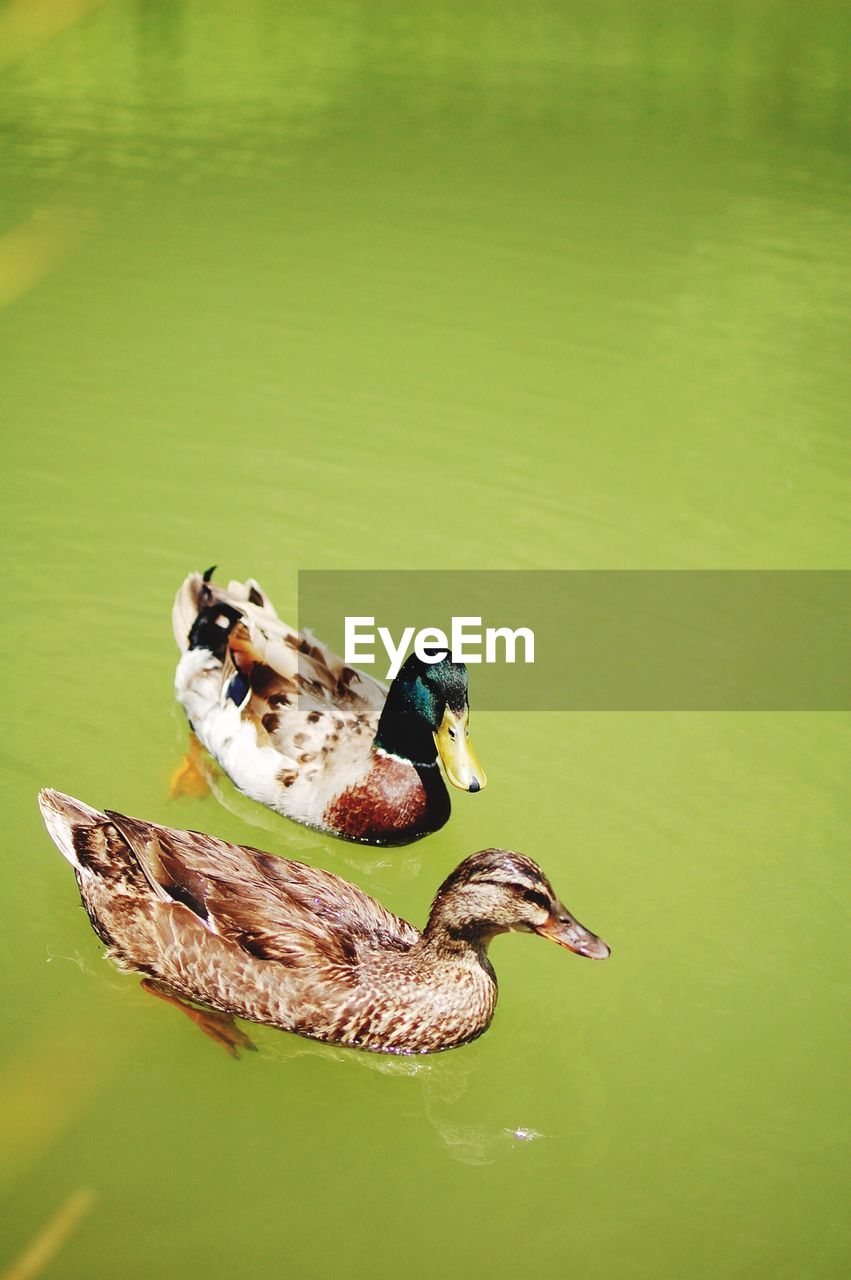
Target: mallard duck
x=297, y=729
x=281, y=943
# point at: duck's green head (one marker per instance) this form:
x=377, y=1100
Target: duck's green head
x=427, y=715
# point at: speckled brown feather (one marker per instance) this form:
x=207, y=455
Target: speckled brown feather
x=266, y=938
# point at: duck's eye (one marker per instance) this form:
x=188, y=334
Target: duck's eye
x=539, y=899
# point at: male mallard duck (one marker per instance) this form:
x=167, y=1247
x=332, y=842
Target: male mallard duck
x=278, y=942
x=298, y=730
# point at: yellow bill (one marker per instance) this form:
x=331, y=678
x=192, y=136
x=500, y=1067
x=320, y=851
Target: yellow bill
x=459, y=760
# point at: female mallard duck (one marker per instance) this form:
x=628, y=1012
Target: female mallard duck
x=278, y=942
x=298, y=730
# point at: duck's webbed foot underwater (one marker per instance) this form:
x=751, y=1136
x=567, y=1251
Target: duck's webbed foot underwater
x=191, y=777
x=220, y=1027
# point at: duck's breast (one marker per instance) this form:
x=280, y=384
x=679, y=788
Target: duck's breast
x=391, y=801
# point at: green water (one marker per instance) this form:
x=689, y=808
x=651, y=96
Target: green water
x=346, y=284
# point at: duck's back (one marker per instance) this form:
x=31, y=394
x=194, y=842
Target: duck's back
x=266, y=938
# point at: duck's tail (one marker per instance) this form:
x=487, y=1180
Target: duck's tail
x=199, y=597
x=185, y=609
x=63, y=815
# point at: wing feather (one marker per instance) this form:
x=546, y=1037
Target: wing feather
x=272, y=907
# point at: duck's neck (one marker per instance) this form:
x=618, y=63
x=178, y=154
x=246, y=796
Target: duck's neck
x=450, y=939
x=402, y=731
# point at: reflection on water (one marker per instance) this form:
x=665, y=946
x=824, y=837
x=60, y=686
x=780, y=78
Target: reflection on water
x=51, y=1236
x=29, y=251
x=27, y=24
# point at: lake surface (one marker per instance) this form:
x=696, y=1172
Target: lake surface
x=340, y=285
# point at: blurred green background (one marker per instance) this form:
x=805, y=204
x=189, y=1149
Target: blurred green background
x=338, y=285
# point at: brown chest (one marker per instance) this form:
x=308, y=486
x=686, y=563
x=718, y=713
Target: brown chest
x=429, y=1011
x=391, y=801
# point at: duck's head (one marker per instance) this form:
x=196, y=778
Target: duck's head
x=496, y=891
x=427, y=715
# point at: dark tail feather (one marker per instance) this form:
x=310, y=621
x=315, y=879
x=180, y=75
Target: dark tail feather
x=63, y=815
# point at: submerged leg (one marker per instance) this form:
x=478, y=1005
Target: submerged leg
x=218, y=1026
x=190, y=776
